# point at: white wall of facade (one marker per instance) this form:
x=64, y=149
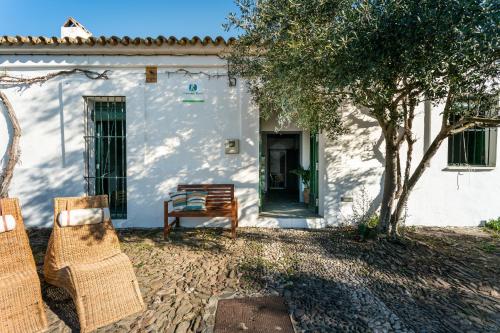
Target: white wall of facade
x=352, y=167
x=444, y=196
x=168, y=141
x=171, y=142
x=453, y=196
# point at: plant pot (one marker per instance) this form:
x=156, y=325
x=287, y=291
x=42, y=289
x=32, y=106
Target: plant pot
x=306, y=195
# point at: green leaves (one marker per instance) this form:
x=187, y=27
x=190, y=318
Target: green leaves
x=305, y=58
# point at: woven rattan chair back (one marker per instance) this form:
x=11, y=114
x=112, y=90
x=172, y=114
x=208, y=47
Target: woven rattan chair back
x=85, y=243
x=21, y=305
x=86, y=261
x=15, y=250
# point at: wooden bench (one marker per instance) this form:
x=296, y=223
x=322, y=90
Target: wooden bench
x=220, y=203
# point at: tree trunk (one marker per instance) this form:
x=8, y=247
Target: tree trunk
x=403, y=197
x=417, y=174
x=390, y=179
x=13, y=150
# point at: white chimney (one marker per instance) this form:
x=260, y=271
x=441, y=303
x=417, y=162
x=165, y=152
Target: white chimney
x=73, y=28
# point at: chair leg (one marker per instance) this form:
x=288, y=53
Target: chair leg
x=234, y=221
x=233, y=228
x=166, y=226
x=177, y=222
x=166, y=231
x=236, y=213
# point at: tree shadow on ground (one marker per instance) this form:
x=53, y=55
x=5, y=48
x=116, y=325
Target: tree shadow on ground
x=57, y=299
x=207, y=239
x=432, y=289
x=434, y=282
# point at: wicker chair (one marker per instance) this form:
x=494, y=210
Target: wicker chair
x=21, y=305
x=86, y=260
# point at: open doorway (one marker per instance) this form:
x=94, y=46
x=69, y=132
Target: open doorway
x=282, y=192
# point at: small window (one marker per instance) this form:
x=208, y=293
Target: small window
x=476, y=146
x=105, y=148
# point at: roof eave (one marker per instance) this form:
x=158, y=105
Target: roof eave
x=114, y=50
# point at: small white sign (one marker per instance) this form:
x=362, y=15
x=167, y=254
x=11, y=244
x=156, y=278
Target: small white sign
x=193, y=94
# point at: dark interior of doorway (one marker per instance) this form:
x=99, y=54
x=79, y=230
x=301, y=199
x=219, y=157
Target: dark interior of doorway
x=282, y=194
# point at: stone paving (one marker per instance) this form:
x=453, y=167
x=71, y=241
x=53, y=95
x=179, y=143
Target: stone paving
x=439, y=280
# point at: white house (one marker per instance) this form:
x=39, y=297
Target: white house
x=166, y=115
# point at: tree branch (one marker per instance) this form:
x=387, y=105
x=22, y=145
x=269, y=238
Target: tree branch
x=13, y=152
x=14, y=80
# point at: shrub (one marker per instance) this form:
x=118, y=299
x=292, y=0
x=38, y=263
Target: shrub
x=493, y=224
x=368, y=229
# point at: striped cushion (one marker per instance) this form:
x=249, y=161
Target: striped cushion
x=196, y=200
x=74, y=217
x=7, y=223
x=179, y=200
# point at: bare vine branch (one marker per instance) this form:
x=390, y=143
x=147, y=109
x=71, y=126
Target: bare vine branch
x=10, y=80
x=13, y=151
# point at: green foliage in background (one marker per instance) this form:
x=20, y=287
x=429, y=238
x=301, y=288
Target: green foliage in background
x=493, y=224
x=306, y=60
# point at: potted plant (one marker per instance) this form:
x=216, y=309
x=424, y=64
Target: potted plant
x=305, y=176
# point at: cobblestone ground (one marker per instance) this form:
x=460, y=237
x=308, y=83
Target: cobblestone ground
x=439, y=280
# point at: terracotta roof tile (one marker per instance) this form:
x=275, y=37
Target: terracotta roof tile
x=125, y=45
x=113, y=41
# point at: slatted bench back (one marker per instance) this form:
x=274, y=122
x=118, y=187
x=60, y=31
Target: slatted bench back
x=219, y=197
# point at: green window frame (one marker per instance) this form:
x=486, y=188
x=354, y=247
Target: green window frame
x=476, y=146
x=105, y=150
x=473, y=147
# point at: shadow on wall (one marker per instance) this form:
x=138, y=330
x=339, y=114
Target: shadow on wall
x=355, y=164
x=184, y=143
x=47, y=182
x=40, y=176
x=168, y=142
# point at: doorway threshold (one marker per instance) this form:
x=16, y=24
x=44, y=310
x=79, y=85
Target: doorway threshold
x=313, y=222
x=291, y=214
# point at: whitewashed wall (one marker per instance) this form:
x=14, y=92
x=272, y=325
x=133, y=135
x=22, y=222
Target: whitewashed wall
x=168, y=142
x=453, y=196
x=444, y=196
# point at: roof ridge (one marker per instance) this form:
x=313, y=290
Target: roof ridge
x=6, y=41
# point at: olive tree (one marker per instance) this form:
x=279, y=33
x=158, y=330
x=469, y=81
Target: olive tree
x=305, y=59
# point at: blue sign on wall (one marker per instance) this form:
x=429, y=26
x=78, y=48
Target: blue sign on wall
x=193, y=94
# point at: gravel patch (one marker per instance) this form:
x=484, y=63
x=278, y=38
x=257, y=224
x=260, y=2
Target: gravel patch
x=439, y=280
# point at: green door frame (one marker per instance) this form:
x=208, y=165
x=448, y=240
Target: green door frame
x=314, y=169
x=262, y=171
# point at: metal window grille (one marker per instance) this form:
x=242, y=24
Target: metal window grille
x=475, y=146
x=105, y=151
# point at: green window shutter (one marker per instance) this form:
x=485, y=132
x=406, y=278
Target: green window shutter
x=106, y=169
x=474, y=147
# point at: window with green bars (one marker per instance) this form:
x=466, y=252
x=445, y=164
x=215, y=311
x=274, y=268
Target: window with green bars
x=475, y=146
x=105, y=147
